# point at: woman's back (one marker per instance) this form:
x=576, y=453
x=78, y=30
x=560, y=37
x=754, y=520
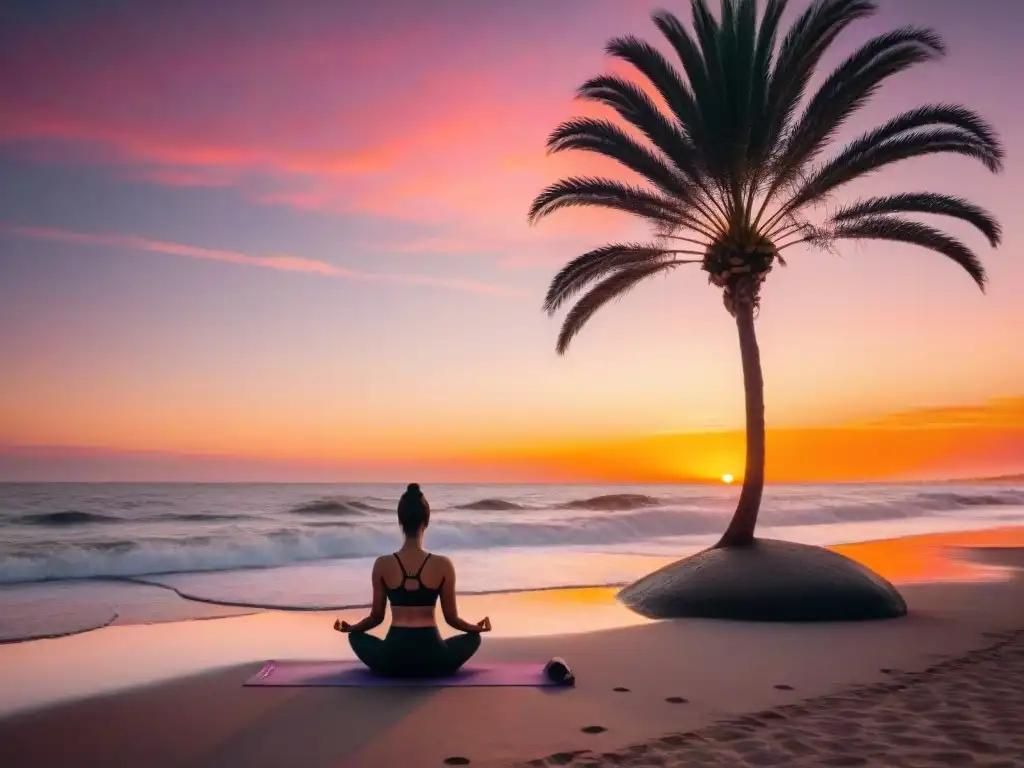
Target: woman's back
x=414, y=580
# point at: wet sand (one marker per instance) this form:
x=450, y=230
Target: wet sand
x=939, y=687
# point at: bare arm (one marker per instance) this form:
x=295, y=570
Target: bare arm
x=451, y=609
x=376, y=616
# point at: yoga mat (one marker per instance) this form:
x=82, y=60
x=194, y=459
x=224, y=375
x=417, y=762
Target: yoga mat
x=352, y=674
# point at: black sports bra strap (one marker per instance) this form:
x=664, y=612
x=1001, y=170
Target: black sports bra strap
x=418, y=572
x=402, y=566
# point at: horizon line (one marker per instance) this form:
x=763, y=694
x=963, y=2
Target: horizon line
x=1017, y=477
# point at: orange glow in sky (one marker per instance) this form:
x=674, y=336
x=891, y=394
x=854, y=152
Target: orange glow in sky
x=962, y=442
x=938, y=443
x=251, y=244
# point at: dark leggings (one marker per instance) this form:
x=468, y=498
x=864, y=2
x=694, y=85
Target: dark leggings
x=414, y=651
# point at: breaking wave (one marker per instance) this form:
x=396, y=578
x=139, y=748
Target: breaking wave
x=348, y=528
x=491, y=505
x=335, y=507
x=67, y=517
x=615, y=502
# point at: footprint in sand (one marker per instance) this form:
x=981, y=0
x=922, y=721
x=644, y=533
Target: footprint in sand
x=593, y=729
x=677, y=700
x=564, y=758
x=784, y=687
x=456, y=761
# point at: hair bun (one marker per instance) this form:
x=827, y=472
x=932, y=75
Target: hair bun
x=413, y=489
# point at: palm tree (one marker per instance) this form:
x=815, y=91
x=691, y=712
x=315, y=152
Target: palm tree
x=729, y=150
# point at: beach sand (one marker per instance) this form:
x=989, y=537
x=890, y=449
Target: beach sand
x=943, y=686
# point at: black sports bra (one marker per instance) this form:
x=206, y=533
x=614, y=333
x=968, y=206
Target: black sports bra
x=424, y=596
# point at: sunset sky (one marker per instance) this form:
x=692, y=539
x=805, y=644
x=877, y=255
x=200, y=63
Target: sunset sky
x=287, y=240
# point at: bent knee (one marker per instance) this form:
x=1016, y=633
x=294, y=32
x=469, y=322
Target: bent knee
x=361, y=642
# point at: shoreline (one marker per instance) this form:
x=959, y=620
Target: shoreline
x=56, y=635
x=237, y=607
x=195, y=711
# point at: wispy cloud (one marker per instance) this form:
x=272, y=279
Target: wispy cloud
x=1001, y=413
x=280, y=262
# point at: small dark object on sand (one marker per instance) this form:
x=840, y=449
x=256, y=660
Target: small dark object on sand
x=677, y=700
x=620, y=689
x=557, y=671
x=456, y=761
x=593, y=729
x=784, y=687
x=564, y=758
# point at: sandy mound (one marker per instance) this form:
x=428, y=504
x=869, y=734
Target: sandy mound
x=767, y=581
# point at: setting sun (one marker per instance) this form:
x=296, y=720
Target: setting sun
x=727, y=479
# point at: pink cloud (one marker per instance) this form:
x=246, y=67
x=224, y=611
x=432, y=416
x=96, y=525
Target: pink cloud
x=120, y=144
x=408, y=118
x=280, y=262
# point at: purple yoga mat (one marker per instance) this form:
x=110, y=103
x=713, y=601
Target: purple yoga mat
x=352, y=674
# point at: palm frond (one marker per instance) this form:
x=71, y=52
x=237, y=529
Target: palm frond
x=638, y=109
x=606, y=138
x=577, y=191
x=927, y=203
x=717, y=41
x=849, y=87
x=653, y=65
x=706, y=27
x=595, y=264
x=687, y=50
x=739, y=67
x=759, y=148
x=613, y=287
x=860, y=159
x=736, y=40
x=801, y=50
x=900, y=230
x=934, y=116
x=704, y=94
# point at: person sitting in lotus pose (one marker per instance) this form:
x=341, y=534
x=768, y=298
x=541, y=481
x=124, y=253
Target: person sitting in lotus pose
x=412, y=579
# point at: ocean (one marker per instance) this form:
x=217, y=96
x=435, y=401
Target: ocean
x=76, y=556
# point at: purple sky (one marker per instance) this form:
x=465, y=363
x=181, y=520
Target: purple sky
x=297, y=231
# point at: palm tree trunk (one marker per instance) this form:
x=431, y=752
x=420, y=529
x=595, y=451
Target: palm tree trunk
x=741, y=528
